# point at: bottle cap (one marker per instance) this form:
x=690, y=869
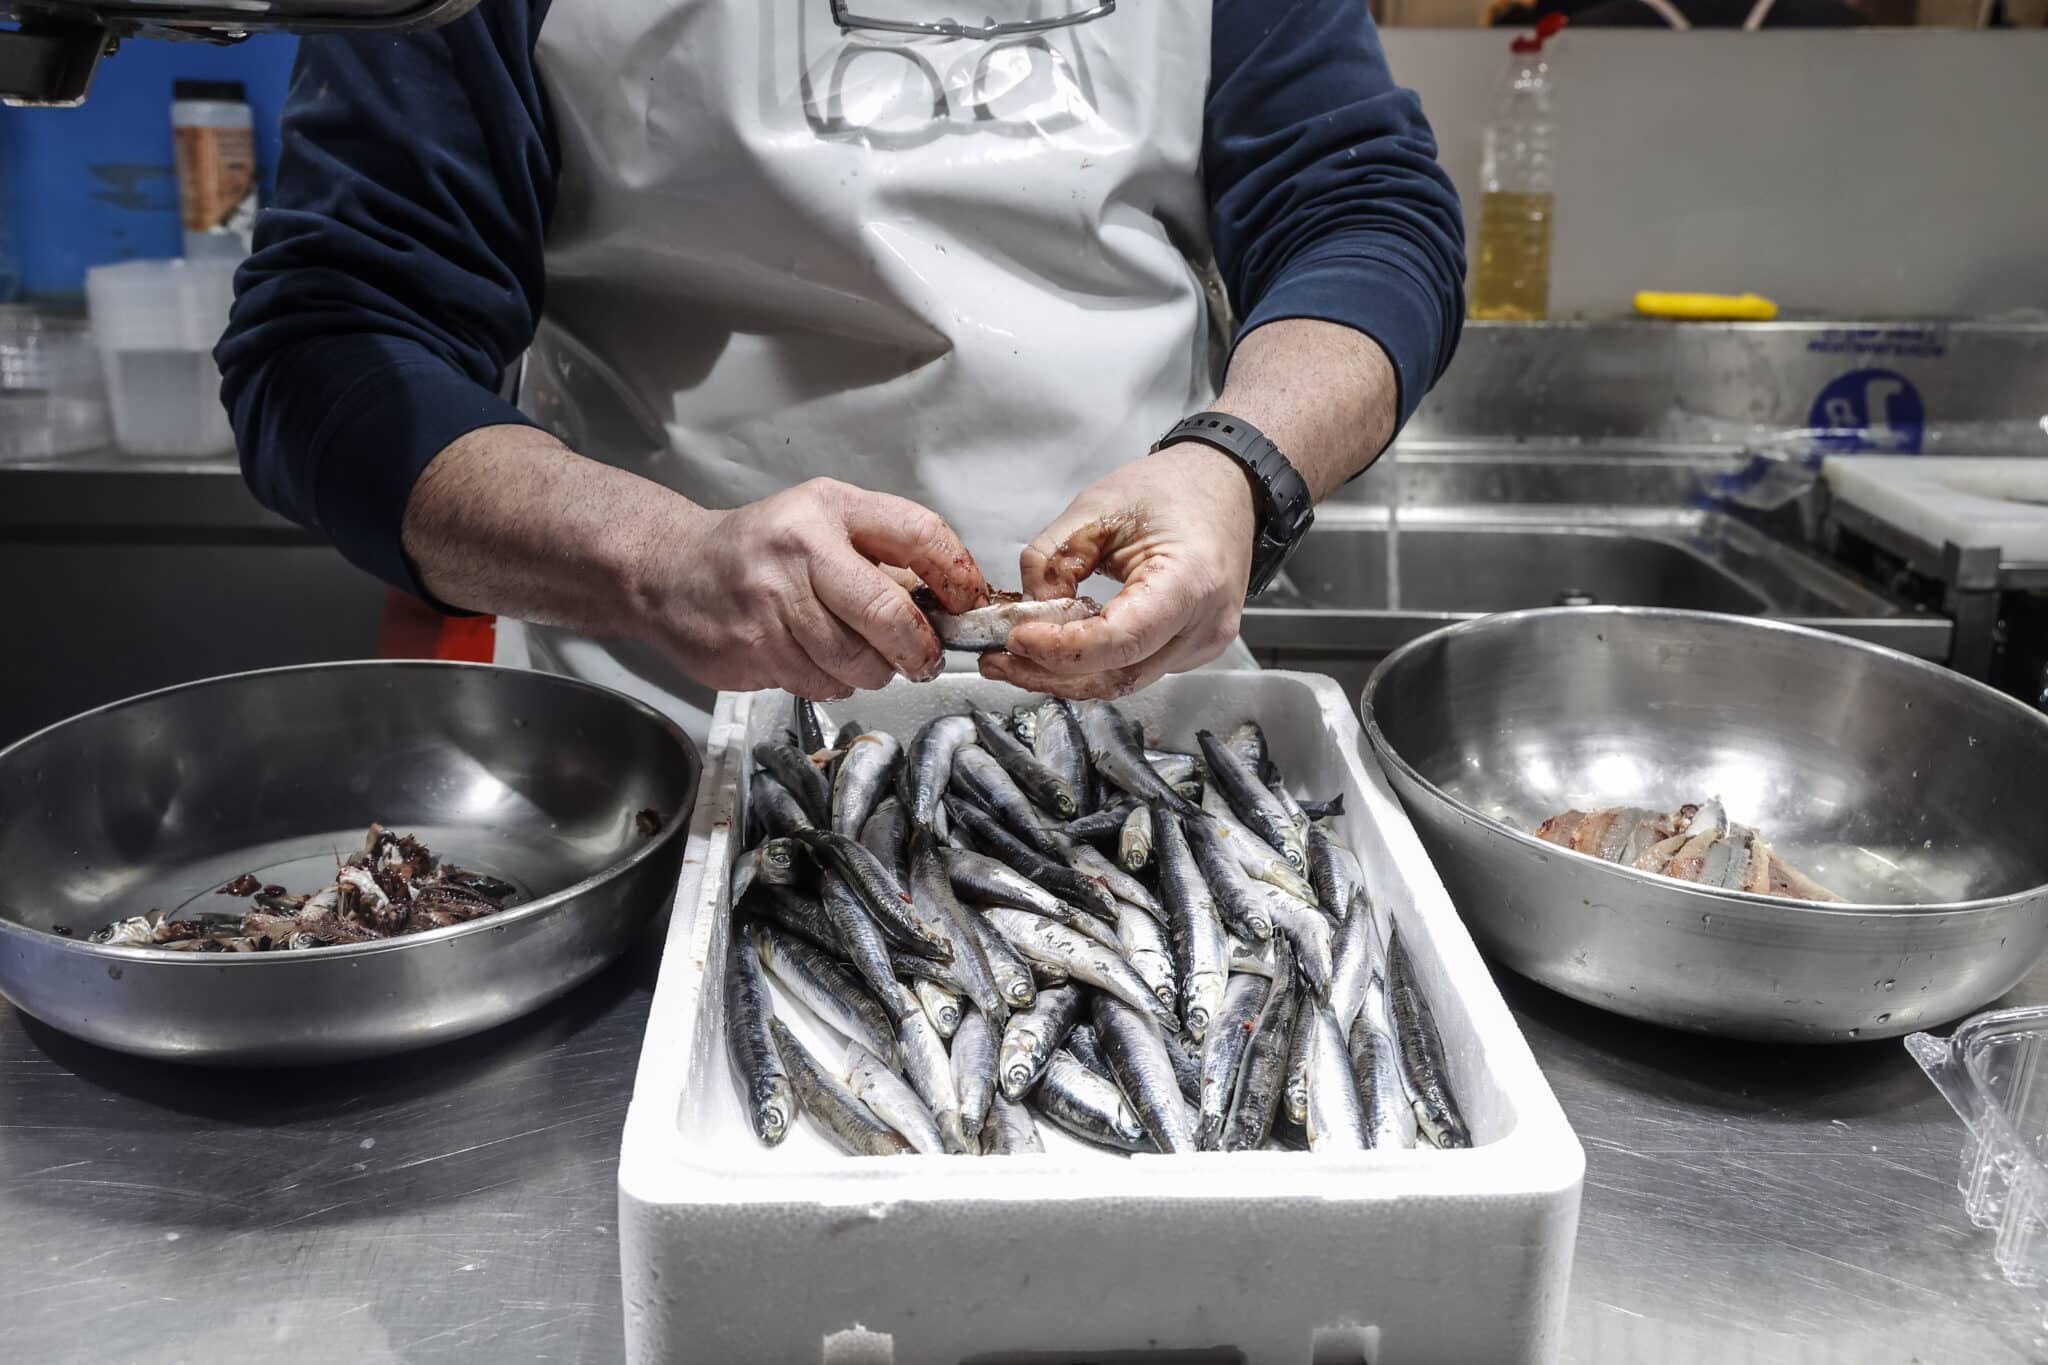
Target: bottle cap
x=1546, y=29
x=232, y=92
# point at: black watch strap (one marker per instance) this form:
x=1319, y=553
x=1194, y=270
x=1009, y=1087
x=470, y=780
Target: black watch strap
x=1285, y=509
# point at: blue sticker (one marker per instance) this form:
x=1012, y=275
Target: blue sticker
x=1870, y=410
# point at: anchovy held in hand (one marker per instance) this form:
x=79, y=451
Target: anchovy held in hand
x=837, y=1109
x=985, y=629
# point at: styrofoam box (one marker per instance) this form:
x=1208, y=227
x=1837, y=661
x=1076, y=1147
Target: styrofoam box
x=735, y=1252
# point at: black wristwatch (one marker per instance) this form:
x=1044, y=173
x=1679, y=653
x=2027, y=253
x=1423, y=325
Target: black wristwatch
x=1285, y=509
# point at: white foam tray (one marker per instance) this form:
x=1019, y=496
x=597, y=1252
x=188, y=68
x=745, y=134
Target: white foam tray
x=733, y=1252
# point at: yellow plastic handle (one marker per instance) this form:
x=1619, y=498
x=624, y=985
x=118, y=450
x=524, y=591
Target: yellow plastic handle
x=1706, y=307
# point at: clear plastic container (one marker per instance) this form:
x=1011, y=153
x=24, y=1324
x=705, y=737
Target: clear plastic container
x=1994, y=1070
x=1511, y=256
x=52, y=403
x=156, y=323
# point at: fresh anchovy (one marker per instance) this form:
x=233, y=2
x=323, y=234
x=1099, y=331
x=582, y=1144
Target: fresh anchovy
x=1308, y=932
x=805, y=779
x=1243, y=911
x=1146, y=947
x=772, y=810
x=1032, y=1035
x=1056, y=740
x=940, y=1004
x=810, y=725
x=1024, y=723
x=1176, y=770
x=1186, y=1055
x=774, y=863
x=1087, y=1049
x=1038, y=782
x=864, y=944
x=887, y=835
x=1336, y=1118
x=929, y=767
x=1252, y=802
x=913, y=968
x=892, y=1099
x=915, y=928
x=974, y=1071
x=796, y=912
x=1230, y=1034
x=1296, y=816
x=1122, y=885
x=1009, y=1130
x=845, y=736
x=864, y=775
x=1043, y=940
x=1332, y=870
x=1323, y=810
x=1014, y=981
x=1138, y=1061
x=930, y=1073
x=1134, y=839
x=1353, y=961
x=1248, y=742
x=982, y=880
x=1197, y=935
x=1263, y=1073
x=1254, y=854
x=840, y=1112
x=1376, y=1071
x=1294, y=1098
x=757, y=1070
x=979, y=778
x=1051, y=878
x=1422, y=1051
x=932, y=891
x=1105, y=823
x=827, y=989
x=1119, y=755
x=988, y=628
x=1088, y=1105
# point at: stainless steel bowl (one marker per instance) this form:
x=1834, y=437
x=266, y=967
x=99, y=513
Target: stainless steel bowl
x=157, y=801
x=1910, y=790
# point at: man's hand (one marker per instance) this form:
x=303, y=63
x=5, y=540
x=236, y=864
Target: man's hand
x=1177, y=528
x=788, y=592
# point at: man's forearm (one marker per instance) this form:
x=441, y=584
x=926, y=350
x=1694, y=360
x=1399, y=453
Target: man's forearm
x=511, y=521
x=1324, y=393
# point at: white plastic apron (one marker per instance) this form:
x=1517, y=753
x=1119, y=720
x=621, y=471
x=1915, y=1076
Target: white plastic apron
x=957, y=270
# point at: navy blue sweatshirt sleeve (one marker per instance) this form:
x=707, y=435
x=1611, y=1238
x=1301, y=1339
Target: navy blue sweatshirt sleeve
x=398, y=275
x=1326, y=200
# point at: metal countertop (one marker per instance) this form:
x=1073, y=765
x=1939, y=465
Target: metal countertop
x=1741, y=1202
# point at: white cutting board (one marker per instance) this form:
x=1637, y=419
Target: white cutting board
x=1999, y=501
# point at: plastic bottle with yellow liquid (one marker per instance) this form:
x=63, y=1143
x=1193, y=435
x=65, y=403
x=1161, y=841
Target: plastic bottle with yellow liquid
x=1511, y=258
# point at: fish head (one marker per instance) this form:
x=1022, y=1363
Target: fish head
x=773, y=1103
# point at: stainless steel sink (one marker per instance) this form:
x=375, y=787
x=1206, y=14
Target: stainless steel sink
x=1459, y=569
x=1478, y=533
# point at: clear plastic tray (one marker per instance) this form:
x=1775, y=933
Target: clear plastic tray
x=1994, y=1070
